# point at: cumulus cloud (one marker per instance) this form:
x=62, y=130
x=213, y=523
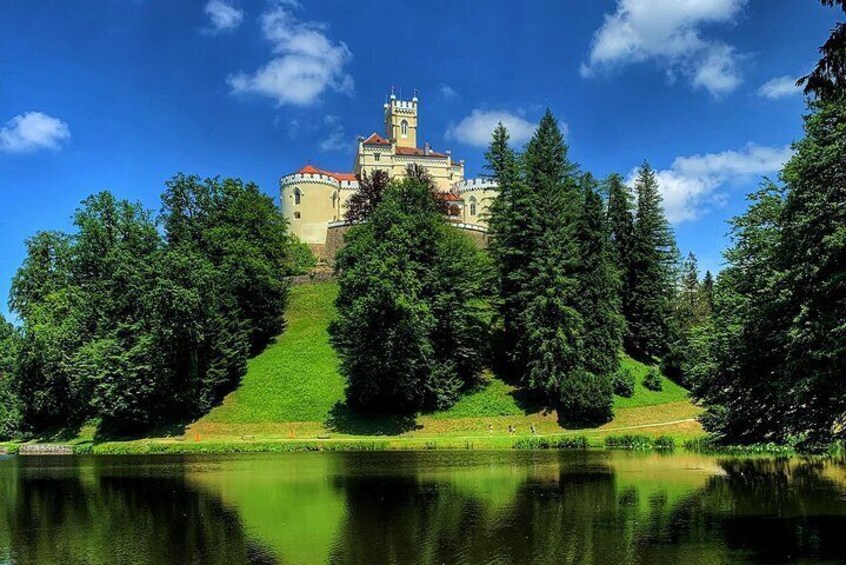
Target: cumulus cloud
x=779, y=87
x=223, y=16
x=692, y=184
x=669, y=32
x=307, y=61
x=32, y=131
x=477, y=128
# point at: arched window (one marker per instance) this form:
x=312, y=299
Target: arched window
x=472, y=205
x=334, y=200
x=404, y=127
x=298, y=196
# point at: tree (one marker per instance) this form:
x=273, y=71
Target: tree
x=828, y=79
x=9, y=403
x=689, y=311
x=598, y=299
x=243, y=233
x=551, y=323
x=363, y=202
x=737, y=378
x=122, y=324
x=708, y=292
x=777, y=350
x=514, y=229
x=411, y=312
x=652, y=263
x=621, y=208
x=813, y=257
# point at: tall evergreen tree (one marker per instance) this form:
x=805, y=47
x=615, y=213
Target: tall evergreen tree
x=708, y=292
x=514, y=229
x=653, y=268
x=813, y=257
x=599, y=286
x=553, y=326
x=621, y=207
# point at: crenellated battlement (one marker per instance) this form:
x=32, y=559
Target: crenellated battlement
x=476, y=184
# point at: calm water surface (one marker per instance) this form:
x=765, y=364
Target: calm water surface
x=422, y=507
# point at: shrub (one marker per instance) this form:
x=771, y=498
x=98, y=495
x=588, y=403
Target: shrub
x=578, y=442
x=652, y=380
x=301, y=258
x=623, y=382
x=586, y=399
x=628, y=442
x=664, y=443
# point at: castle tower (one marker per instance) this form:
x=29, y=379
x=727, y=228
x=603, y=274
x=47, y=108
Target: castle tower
x=401, y=121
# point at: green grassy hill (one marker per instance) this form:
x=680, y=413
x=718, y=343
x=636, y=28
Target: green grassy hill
x=293, y=390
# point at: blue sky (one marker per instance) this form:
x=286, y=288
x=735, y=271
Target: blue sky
x=122, y=94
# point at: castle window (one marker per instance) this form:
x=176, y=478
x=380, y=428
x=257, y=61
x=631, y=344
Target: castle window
x=296, y=215
x=298, y=196
x=404, y=127
x=472, y=206
x=334, y=200
x=376, y=156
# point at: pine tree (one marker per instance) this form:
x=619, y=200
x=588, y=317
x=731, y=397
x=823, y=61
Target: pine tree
x=552, y=341
x=653, y=271
x=513, y=230
x=599, y=287
x=708, y=293
x=621, y=206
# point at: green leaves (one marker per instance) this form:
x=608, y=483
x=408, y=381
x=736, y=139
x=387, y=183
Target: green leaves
x=412, y=312
x=124, y=324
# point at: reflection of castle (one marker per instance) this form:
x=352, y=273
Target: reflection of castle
x=313, y=199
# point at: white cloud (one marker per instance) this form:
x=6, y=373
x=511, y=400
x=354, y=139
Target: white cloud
x=779, y=87
x=448, y=92
x=32, y=131
x=669, y=32
x=223, y=16
x=477, y=128
x=307, y=62
x=691, y=186
x=337, y=140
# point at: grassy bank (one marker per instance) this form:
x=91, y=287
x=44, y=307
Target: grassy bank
x=292, y=398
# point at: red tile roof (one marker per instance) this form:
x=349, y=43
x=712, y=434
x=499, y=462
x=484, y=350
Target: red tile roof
x=376, y=139
x=337, y=176
x=450, y=197
x=417, y=152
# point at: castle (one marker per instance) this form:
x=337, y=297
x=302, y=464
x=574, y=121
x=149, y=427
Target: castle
x=313, y=199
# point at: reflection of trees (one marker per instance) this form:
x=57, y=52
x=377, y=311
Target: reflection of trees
x=429, y=508
x=573, y=516
x=66, y=518
x=762, y=510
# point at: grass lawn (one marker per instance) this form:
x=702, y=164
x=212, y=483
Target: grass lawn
x=295, y=379
x=293, y=390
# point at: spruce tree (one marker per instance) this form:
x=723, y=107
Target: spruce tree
x=653, y=268
x=599, y=286
x=513, y=229
x=708, y=293
x=621, y=207
x=553, y=328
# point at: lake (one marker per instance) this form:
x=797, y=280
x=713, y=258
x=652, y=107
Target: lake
x=422, y=507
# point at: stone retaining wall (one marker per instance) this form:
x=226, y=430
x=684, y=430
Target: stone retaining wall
x=46, y=449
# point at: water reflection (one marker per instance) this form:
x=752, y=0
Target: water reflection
x=422, y=507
